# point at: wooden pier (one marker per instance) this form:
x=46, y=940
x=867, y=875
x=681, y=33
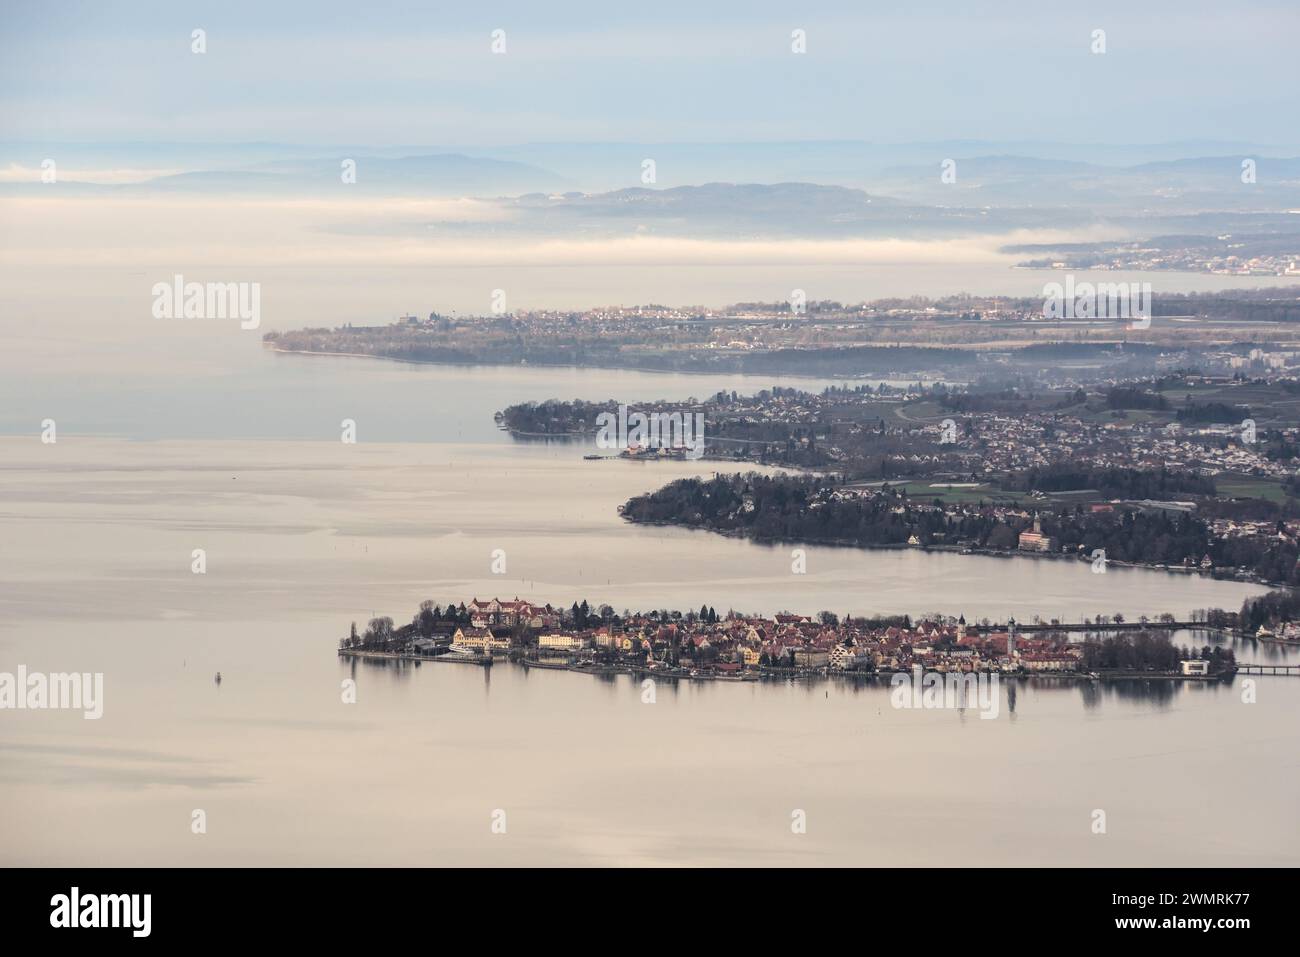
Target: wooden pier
x=1074, y=626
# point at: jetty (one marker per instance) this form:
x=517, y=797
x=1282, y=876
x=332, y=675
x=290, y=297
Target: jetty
x=451, y=657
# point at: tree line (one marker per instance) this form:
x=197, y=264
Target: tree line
x=803, y=509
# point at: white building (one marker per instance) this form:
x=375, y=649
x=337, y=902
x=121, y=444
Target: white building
x=844, y=657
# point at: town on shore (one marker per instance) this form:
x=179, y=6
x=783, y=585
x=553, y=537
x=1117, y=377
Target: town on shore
x=705, y=645
x=1180, y=471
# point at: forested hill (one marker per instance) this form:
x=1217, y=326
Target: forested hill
x=814, y=510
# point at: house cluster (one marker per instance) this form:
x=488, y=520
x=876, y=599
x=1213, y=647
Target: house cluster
x=1213, y=450
x=1263, y=360
x=1283, y=531
x=990, y=442
x=736, y=643
x=1287, y=631
x=1032, y=539
x=1220, y=263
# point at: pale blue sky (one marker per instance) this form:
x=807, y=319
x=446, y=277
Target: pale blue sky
x=422, y=73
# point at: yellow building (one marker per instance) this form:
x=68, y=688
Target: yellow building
x=561, y=642
x=478, y=639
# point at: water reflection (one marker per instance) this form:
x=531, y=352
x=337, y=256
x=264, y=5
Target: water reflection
x=1247, y=649
x=1092, y=694
x=540, y=439
x=1142, y=691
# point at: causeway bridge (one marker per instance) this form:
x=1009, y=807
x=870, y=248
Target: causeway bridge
x=1253, y=668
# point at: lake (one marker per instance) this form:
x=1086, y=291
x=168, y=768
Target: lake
x=304, y=534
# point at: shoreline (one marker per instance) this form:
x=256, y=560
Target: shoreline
x=622, y=367
x=1286, y=642
x=772, y=674
x=451, y=657
x=946, y=549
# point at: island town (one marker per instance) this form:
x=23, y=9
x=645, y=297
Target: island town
x=705, y=645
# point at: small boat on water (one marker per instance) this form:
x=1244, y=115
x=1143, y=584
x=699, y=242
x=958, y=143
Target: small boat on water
x=218, y=678
x=593, y=458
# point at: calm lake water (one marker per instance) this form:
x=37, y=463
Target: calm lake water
x=304, y=534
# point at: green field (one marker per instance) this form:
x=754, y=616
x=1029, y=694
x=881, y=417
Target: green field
x=1249, y=486
x=920, y=489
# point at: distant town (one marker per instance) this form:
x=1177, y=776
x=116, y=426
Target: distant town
x=987, y=430
x=1222, y=255
x=955, y=337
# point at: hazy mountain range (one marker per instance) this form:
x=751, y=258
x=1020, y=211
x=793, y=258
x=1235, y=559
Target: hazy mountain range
x=831, y=190
x=594, y=167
